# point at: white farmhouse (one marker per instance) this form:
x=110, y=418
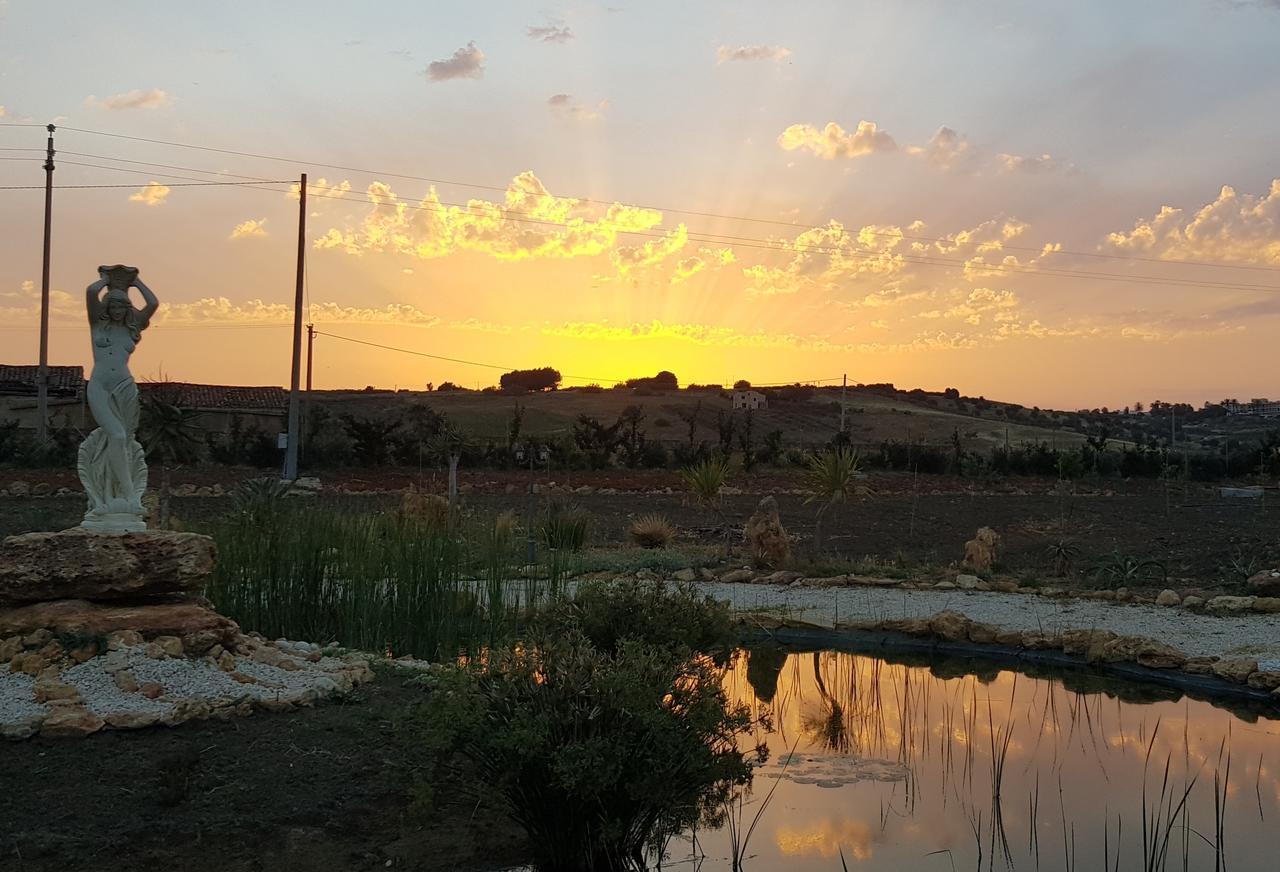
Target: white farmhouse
x=749, y=400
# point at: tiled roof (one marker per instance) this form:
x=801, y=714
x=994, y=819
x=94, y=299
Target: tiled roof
x=22, y=379
x=231, y=397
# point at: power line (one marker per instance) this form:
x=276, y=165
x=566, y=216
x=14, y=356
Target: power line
x=716, y=215
x=586, y=378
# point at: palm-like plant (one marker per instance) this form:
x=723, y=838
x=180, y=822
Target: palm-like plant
x=172, y=435
x=832, y=478
x=704, y=482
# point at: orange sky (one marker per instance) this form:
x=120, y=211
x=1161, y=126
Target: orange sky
x=868, y=223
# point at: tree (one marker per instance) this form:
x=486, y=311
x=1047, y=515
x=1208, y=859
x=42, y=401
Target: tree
x=831, y=477
x=742, y=385
x=726, y=426
x=663, y=381
x=595, y=439
x=632, y=437
x=518, y=381
x=448, y=444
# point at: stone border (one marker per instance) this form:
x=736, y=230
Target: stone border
x=1133, y=657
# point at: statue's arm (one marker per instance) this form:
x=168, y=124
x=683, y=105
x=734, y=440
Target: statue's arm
x=151, y=302
x=93, y=300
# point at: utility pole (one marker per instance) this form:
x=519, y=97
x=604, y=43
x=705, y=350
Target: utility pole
x=844, y=385
x=311, y=341
x=42, y=374
x=291, y=447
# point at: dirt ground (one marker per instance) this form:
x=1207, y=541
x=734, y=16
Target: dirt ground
x=322, y=790
x=1199, y=537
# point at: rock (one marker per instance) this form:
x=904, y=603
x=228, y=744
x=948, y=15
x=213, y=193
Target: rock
x=982, y=552
x=949, y=626
x=968, y=582
x=1009, y=637
x=737, y=576
x=151, y=689
x=1199, y=665
x=84, y=653
x=1266, y=604
x=77, y=617
x=1193, y=603
x=41, y=489
x=38, y=638
x=171, y=645
x=685, y=574
x=1081, y=641
x=132, y=719
x=28, y=662
x=1230, y=605
x=19, y=489
x=126, y=681
x=227, y=662
x=10, y=648
x=118, y=639
x=1235, y=669
x=1003, y=586
x=765, y=537
x=47, y=690
x=782, y=576
x=70, y=721
x=982, y=634
x=945, y=585
x=1168, y=598
x=1265, y=583
x=1264, y=680
x=78, y=564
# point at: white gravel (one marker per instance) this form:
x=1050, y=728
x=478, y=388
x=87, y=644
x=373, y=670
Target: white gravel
x=17, y=702
x=1246, y=635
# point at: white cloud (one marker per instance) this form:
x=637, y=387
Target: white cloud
x=151, y=194
x=220, y=310
x=1036, y=164
x=249, y=229
x=825, y=257
x=833, y=141
x=320, y=189
x=945, y=148
x=726, y=53
x=549, y=32
x=153, y=98
x=465, y=63
x=530, y=222
x=563, y=104
x=1234, y=227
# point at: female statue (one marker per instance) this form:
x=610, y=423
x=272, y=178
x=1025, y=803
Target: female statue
x=112, y=464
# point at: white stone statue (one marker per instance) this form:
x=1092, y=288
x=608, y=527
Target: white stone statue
x=112, y=465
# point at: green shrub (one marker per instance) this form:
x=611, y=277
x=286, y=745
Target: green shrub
x=564, y=527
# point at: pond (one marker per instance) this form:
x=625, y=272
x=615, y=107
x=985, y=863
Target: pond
x=927, y=764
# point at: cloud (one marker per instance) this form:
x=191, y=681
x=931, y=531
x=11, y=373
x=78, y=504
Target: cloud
x=250, y=228
x=530, y=222
x=725, y=53
x=825, y=257
x=466, y=63
x=135, y=99
x=983, y=248
x=979, y=303
x=563, y=104
x=945, y=148
x=320, y=189
x=151, y=194
x=558, y=33
x=628, y=258
x=688, y=267
x=1035, y=164
x=700, y=334
x=2, y=112
x=833, y=141
x=1234, y=227
x=220, y=310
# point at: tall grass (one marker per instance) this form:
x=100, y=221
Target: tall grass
x=382, y=582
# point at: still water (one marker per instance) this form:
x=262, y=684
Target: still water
x=941, y=765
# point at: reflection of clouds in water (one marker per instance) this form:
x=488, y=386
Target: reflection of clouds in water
x=827, y=838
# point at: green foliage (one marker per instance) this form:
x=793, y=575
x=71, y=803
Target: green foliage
x=564, y=527
x=705, y=480
x=831, y=479
x=602, y=739
x=170, y=434
x=518, y=381
x=1118, y=569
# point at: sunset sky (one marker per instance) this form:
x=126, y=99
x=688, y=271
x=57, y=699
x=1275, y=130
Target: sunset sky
x=1029, y=201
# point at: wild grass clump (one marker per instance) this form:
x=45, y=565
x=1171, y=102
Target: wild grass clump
x=603, y=738
x=372, y=581
x=652, y=531
x=564, y=527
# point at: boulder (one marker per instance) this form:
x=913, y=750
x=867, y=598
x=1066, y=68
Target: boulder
x=737, y=576
x=1265, y=583
x=1193, y=602
x=968, y=582
x=183, y=618
x=78, y=565
x=685, y=574
x=70, y=720
x=1267, y=604
x=1235, y=669
x=1168, y=598
x=1230, y=605
x=765, y=537
x=982, y=552
x=949, y=626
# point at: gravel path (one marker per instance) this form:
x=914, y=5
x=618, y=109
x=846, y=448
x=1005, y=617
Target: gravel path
x=1249, y=635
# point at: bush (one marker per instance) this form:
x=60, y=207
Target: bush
x=564, y=528
x=652, y=531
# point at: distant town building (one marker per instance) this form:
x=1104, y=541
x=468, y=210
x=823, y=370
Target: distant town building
x=222, y=405
x=1261, y=408
x=749, y=400
x=66, y=395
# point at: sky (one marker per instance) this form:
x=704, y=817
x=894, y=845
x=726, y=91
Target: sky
x=1064, y=205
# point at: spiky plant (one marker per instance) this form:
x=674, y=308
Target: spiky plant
x=831, y=478
x=652, y=531
x=704, y=482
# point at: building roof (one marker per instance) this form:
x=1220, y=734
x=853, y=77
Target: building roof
x=21, y=379
x=226, y=397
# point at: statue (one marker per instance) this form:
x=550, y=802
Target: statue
x=112, y=465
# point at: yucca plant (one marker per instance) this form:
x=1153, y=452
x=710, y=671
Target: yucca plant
x=831, y=478
x=652, y=531
x=705, y=481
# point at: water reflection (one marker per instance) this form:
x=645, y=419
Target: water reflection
x=947, y=765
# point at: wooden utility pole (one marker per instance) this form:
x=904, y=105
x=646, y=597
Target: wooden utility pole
x=844, y=385
x=295, y=375
x=42, y=374
x=311, y=341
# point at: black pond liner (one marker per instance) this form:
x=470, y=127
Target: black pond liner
x=1129, y=682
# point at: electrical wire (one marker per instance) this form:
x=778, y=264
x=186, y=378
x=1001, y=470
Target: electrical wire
x=703, y=214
